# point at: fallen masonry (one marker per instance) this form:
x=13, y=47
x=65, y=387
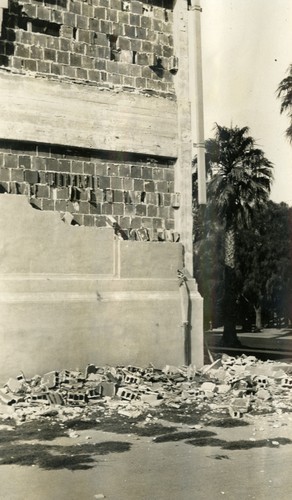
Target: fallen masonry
x=230, y=385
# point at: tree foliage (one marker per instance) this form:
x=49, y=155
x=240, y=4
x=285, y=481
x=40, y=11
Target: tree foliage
x=284, y=92
x=239, y=180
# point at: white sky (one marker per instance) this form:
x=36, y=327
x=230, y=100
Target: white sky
x=247, y=49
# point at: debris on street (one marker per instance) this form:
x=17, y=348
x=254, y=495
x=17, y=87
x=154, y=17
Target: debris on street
x=234, y=386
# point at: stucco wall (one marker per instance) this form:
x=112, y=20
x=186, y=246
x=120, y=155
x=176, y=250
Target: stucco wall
x=73, y=295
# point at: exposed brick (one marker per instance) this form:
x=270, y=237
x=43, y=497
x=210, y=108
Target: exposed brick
x=147, y=172
x=125, y=222
x=171, y=187
x=69, y=71
x=95, y=209
x=48, y=204
x=138, y=185
x=75, y=59
x=118, y=209
x=169, y=224
x=94, y=75
x=70, y=19
x=100, y=221
x=63, y=193
x=43, y=66
x=4, y=187
x=17, y=175
x=104, y=182
x=140, y=209
x=65, y=44
x=89, y=220
x=152, y=211
x=158, y=223
x=128, y=183
x=163, y=212
x=79, y=219
x=85, y=36
x=118, y=196
x=75, y=7
x=130, y=31
x=38, y=163
x=167, y=199
x=149, y=186
x=80, y=47
x=62, y=57
x=36, y=203
x=129, y=209
x=136, y=171
x=168, y=174
x=31, y=176
x=145, y=22
x=107, y=208
x=136, y=222
x=100, y=12
x=10, y=161
x=42, y=191
x=22, y=51
x=97, y=196
x=112, y=15
x=56, y=69
x=136, y=7
x=116, y=4
x=116, y=183
x=89, y=168
x=82, y=74
x=77, y=167
x=161, y=186
x=135, y=20
x=50, y=54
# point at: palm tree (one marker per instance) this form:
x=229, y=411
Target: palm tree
x=240, y=183
x=285, y=94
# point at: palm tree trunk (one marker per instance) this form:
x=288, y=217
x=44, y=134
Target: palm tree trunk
x=258, y=311
x=229, y=300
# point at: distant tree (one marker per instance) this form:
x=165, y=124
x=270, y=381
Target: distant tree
x=264, y=264
x=240, y=184
x=285, y=94
x=209, y=264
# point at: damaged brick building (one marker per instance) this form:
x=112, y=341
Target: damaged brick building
x=95, y=183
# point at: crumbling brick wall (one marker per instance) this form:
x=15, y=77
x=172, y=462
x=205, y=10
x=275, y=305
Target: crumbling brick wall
x=126, y=43
x=94, y=189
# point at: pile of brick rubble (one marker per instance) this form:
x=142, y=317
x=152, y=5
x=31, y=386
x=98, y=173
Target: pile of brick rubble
x=234, y=385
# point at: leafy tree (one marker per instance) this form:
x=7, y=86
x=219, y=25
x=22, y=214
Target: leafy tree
x=209, y=264
x=285, y=94
x=264, y=263
x=240, y=184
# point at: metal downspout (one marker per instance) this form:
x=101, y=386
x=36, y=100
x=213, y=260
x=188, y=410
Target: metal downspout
x=196, y=95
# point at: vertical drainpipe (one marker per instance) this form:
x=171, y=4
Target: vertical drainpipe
x=196, y=95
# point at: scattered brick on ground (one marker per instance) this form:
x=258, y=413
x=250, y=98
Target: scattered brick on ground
x=229, y=385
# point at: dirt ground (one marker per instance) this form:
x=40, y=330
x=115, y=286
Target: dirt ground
x=167, y=454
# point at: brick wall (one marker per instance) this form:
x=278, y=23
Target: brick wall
x=125, y=43
x=89, y=188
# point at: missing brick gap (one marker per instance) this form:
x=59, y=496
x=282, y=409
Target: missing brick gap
x=115, y=51
x=39, y=26
x=134, y=56
x=143, y=197
x=75, y=33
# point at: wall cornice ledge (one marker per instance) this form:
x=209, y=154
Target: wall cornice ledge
x=50, y=111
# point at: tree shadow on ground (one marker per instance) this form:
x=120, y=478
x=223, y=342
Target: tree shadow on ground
x=50, y=457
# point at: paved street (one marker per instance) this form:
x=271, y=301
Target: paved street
x=263, y=344
x=252, y=461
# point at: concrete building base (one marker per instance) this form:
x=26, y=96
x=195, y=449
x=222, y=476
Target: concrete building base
x=73, y=295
